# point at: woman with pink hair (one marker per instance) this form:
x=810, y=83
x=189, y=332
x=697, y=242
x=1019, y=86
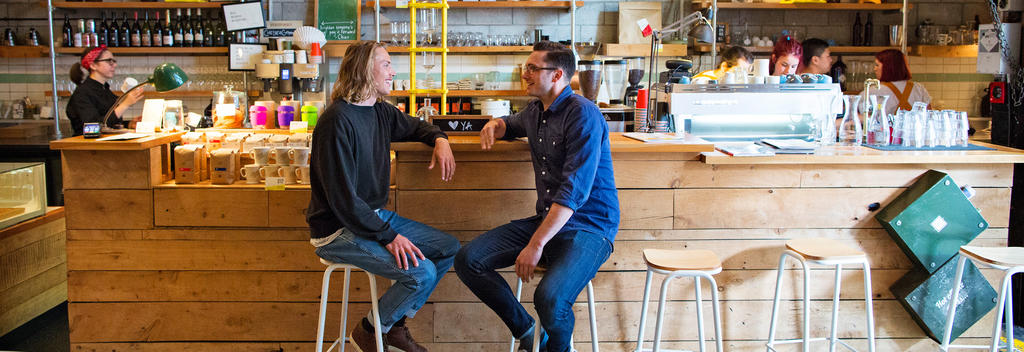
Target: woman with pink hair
x=785, y=57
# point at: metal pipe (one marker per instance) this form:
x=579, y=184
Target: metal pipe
x=53, y=70
x=903, y=45
x=714, y=31
x=376, y=19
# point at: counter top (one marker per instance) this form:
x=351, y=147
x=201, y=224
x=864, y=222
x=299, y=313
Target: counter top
x=143, y=143
x=620, y=144
x=865, y=155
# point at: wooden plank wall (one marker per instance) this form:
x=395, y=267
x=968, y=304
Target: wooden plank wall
x=231, y=269
x=33, y=269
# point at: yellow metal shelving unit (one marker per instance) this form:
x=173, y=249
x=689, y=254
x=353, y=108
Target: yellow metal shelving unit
x=414, y=5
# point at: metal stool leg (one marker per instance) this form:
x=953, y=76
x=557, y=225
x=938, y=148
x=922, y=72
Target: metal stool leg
x=1004, y=303
x=775, y=303
x=700, y=311
x=519, y=293
x=715, y=311
x=661, y=314
x=835, y=309
x=323, y=309
x=344, y=309
x=946, y=336
x=643, y=312
x=807, y=307
x=593, y=317
x=870, y=305
x=375, y=311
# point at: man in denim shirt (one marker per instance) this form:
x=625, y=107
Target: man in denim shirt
x=577, y=205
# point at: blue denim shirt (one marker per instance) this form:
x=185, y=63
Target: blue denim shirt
x=572, y=161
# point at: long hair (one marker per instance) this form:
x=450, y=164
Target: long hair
x=731, y=56
x=894, y=66
x=355, y=76
x=77, y=72
x=785, y=46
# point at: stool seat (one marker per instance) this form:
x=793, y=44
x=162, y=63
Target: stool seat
x=1002, y=256
x=822, y=249
x=673, y=260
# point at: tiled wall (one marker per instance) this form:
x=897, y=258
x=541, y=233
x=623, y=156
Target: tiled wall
x=951, y=82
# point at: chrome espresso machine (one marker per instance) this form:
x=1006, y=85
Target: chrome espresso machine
x=748, y=112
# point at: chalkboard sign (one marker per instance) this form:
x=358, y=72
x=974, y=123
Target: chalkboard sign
x=338, y=19
x=461, y=123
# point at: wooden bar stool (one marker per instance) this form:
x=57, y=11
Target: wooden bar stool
x=822, y=251
x=536, y=331
x=681, y=263
x=1008, y=259
x=340, y=341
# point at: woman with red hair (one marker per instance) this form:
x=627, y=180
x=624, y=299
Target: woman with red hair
x=785, y=57
x=891, y=68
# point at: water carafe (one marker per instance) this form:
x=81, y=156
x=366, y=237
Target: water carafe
x=850, y=131
x=878, y=132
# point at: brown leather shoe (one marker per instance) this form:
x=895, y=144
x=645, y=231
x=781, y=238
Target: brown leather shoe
x=400, y=339
x=364, y=340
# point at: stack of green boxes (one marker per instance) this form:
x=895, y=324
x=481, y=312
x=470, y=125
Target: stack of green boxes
x=930, y=221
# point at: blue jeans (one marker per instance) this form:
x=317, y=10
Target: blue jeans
x=412, y=287
x=570, y=257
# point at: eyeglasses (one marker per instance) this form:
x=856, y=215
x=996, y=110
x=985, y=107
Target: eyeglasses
x=111, y=61
x=531, y=68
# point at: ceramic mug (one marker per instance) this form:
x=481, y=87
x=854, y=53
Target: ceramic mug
x=299, y=156
x=269, y=170
x=251, y=173
x=288, y=172
x=302, y=174
x=261, y=155
x=943, y=39
x=280, y=155
x=773, y=79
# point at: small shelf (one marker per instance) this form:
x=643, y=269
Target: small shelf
x=945, y=50
x=24, y=51
x=135, y=5
x=337, y=50
x=149, y=94
x=494, y=4
x=866, y=50
x=468, y=93
x=217, y=50
x=641, y=50
x=801, y=6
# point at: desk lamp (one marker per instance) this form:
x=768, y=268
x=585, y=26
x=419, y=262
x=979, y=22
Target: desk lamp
x=166, y=77
x=702, y=32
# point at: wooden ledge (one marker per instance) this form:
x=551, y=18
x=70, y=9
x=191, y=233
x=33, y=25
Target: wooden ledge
x=80, y=143
x=865, y=155
x=619, y=143
x=52, y=214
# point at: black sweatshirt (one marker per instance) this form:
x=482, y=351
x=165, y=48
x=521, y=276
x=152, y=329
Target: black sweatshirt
x=350, y=166
x=89, y=103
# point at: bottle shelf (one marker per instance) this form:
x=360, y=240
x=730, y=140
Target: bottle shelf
x=24, y=51
x=206, y=50
x=613, y=49
x=135, y=5
x=866, y=50
x=702, y=5
x=494, y=4
x=468, y=93
x=945, y=50
x=337, y=50
x=149, y=94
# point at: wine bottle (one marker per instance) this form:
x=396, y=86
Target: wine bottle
x=158, y=31
x=198, y=32
x=168, y=30
x=78, y=35
x=136, y=31
x=858, y=32
x=188, y=30
x=869, y=31
x=179, y=34
x=221, y=39
x=209, y=33
x=113, y=39
x=69, y=34
x=94, y=39
x=147, y=31
x=125, y=32
x=838, y=73
x=102, y=33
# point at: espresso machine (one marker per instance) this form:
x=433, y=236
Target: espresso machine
x=635, y=65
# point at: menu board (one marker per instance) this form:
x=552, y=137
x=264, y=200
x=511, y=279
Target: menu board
x=338, y=19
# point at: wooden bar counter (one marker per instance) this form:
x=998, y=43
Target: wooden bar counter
x=156, y=266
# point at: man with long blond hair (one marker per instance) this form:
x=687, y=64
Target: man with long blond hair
x=349, y=178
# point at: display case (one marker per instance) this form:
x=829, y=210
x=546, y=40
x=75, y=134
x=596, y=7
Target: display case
x=22, y=192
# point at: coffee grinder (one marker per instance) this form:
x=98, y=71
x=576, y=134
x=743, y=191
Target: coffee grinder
x=635, y=65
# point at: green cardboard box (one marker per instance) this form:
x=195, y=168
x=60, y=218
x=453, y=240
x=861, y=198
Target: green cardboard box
x=931, y=220
x=926, y=297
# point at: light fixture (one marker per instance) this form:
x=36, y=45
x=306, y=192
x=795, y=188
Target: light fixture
x=704, y=32
x=166, y=77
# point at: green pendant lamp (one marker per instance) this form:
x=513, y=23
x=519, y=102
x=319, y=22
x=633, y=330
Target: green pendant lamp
x=166, y=77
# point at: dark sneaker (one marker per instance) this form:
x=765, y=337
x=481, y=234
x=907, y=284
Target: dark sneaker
x=364, y=339
x=526, y=342
x=399, y=339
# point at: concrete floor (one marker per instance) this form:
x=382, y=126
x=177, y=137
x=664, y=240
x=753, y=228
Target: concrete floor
x=46, y=333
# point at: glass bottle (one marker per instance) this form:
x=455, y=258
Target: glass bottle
x=158, y=31
x=858, y=33
x=427, y=112
x=850, y=132
x=168, y=30
x=869, y=31
x=69, y=34
x=878, y=123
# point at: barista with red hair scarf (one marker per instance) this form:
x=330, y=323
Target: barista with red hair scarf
x=785, y=57
x=92, y=97
x=891, y=69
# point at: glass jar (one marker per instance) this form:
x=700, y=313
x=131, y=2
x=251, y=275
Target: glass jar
x=590, y=78
x=615, y=74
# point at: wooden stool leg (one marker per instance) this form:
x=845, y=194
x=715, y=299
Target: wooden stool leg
x=700, y=312
x=835, y=309
x=643, y=312
x=947, y=335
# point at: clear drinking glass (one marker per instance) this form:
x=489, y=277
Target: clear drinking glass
x=428, y=25
x=403, y=29
x=427, y=59
x=396, y=35
x=963, y=125
x=827, y=122
x=850, y=131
